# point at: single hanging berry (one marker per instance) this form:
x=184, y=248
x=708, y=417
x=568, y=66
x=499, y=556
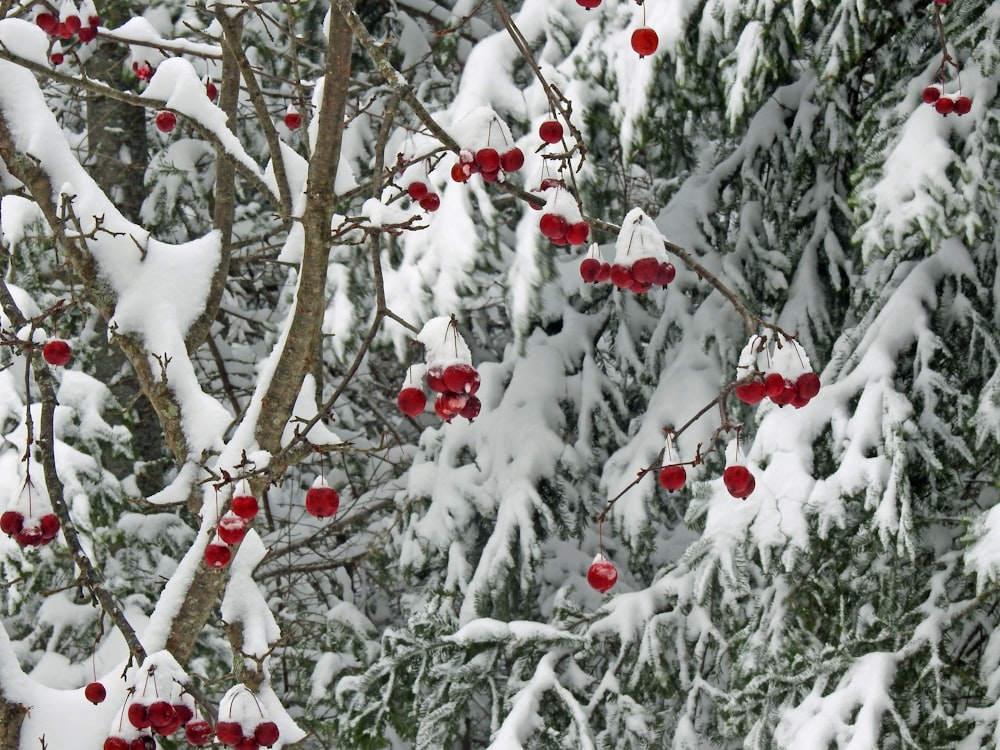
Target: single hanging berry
x=645, y=41
x=57, y=353
x=322, y=501
x=602, y=575
x=672, y=477
x=95, y=692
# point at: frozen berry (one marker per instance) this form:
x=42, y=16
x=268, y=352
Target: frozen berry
x=461, y=378
x=488, y=159
x=435, y=380
x=963, y=105
x=459, y=172
x=553, y=226
x=472, y=408
x=644, y=270
x=577, y=233
x=95, y=692
x=87, y=34
x=602, y=575
x=672, y=477
x=161, y=714
x=411, y=401
x=645, y=41
x=166, y=121
x=49, y=524
x=266, y=733
x=11, y=522
x=588, y=4
x=751, y=393
x=417, y=190
x=229, y=732
x=512, y=160
x=665, y=274
x=430, y=202
x=774, y=384
x=138, y=716
x=589, y=268
x=245, y=506
x=807, y=385
x=29, y=536
x=47, y=23
x=232, y=528
x=218, y=555
x=198, y=732
x=183, y=712
x=115, y=743
x=293, y=120
x=738, y=480
x=322, y=502
x=211, y=91
x=550, y=131
x=931, y=94
x=945, y=105
x=621, y=276
x=57, y=352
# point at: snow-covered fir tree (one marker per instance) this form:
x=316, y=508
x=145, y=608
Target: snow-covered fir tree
x=338, y=413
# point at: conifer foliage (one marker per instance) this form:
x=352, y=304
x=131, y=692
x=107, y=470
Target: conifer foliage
x=540, y=374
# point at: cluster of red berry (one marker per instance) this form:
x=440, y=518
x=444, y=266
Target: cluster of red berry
x=420, y=192
x=148, y=713
x=30, y=531
x=944, y=103
x=777, y=368
x=448, y=372
x=68, y=24
x=246, y=727
x=455, y=384
x=230, y=530
x=644, y=39
x=487, y=162
x=640, y=258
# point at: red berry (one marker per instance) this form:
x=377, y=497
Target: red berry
x=211, y=91
x=461, y=378
x=87, y=34
x=138, y=716
x=411, y=401
x=232, y=529
x=774, y=384
x=450, y=405
x=247, y=743
x=95, y=692
x=588, y=4
x=737, y=479
x=551, y=182
x=229, y=732
x=166, y=121
x=602, y=575
x=47, y=23
x=161, y=714
x=417, y=190
x=550, y=131
x=963, y=105
x=93, y=21
x=430, y=202
x=322, y=502
x=183, y=712
x=621, y=276
x=639, y=287
x=63, y=31
x=577, y=233
x=435, y=380
x=513, y=160
x=490, y=176
x=293, y=120
x=73, y=24
x=665, y=274
x=266, y=733
x=49, y=524
x=645, y=41
x=56, y=58
x=604, y=274
x=751, y=393
x=57, y=353
x=645, y=270
x=945, y=105
x=672, y=477
x=218, y=555
x=807, y=385
x=472, y=408
x=198, y=732
x=11, y=522
x=488, y=159
x=589, y=268
x=144, y=742
x=115, y=743
x=553, y=226
x=459, y=173
x=931, y=94
x=245, y=506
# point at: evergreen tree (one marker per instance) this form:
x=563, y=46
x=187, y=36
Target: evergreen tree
x=608, y=532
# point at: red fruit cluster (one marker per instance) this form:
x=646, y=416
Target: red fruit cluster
x=68, y=25
x=159, y=716
x=456, y=386
x=29, y=532
x=739, y=481
x=57, y=352
x=232, y=734
x=231, y=529
x=488, y=162
x=780, y=389
x=322, y=501
x=946, y=104
x=426, y=198
x=562, y=231
x=639, y=277
x=602, y=574
x=645, y=41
